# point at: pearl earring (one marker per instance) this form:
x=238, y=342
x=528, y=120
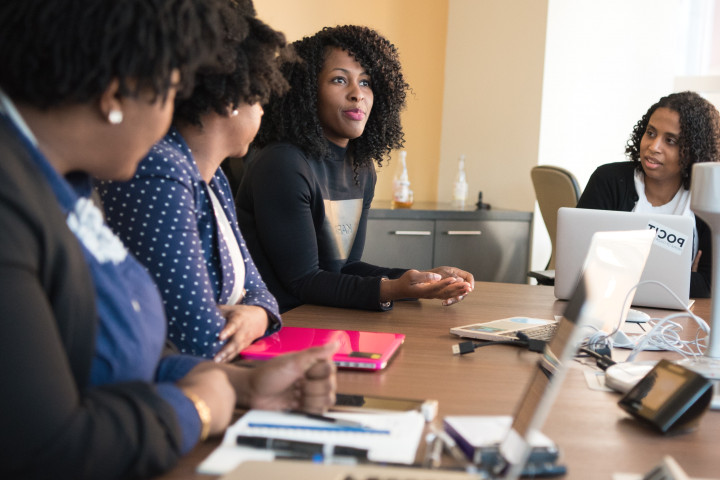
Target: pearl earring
x=235, y=113
x=115, y=117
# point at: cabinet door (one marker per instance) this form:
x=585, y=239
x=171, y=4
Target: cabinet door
x=399, y=243
x=493, y=251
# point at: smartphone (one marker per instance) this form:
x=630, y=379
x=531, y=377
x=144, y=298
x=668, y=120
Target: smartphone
x=369, y=403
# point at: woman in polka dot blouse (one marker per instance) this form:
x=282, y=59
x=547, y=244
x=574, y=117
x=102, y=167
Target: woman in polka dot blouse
x=177, y=214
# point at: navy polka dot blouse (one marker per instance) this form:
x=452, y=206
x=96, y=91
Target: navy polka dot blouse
x=165, y=217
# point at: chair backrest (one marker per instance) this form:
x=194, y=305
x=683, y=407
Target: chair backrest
x=555, y=187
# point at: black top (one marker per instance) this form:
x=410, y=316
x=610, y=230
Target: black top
x=612, y=187
x=53, y=424
x=304, y=221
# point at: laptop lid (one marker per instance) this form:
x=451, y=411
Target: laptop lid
x=507, y=329
x=669, y=261
x=604, y=269
x=358, y=350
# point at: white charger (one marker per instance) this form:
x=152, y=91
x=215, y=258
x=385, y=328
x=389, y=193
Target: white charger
x=621, y=377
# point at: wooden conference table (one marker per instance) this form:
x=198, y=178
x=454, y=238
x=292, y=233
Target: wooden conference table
x=595, y=436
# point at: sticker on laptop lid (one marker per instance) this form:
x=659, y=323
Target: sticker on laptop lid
x=669, y=239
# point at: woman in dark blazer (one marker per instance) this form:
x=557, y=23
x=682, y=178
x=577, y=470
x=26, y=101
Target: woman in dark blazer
x=86, y=88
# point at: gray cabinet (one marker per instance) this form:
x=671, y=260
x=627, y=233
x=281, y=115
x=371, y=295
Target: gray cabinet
x=399, y=243
x=494, y=245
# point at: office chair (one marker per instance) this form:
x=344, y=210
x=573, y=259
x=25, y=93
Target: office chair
x=555, y=187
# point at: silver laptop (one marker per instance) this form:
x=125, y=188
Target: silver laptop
x=508, y=328
x=669, y=261
x=584, y=307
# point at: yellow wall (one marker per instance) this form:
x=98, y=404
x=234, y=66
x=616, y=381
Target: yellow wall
x=418, y=28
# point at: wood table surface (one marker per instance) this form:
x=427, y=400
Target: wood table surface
x=596, y=438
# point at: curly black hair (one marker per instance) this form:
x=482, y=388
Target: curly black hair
x=247, y=71
x=67, y=52
x=294, y=117
x=699, y=131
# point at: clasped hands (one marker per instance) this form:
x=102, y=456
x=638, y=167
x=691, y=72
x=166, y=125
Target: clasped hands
x=449, y=284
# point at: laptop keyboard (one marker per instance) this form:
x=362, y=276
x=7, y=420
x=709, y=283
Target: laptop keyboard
x=541, y=332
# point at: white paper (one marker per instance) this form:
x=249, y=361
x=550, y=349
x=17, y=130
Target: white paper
x=398, y=446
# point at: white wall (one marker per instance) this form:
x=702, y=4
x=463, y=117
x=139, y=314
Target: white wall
x=606, y=63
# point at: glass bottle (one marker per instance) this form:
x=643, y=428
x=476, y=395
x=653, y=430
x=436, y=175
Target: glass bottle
x=460, y=187
x=402, y=195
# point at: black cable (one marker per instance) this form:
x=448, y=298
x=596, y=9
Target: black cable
x=533, y=344
x=603, y=360
x=469, y=346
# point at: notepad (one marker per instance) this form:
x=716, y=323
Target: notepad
x=392, y=437
x=479, y=437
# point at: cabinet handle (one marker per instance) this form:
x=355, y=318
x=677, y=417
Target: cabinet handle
x=416, y=233
x=464, y=232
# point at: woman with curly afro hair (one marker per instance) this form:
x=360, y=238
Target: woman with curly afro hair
x=681, y=129
x=304, y=198
x=219, y=119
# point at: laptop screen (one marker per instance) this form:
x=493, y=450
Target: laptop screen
x=549, y=364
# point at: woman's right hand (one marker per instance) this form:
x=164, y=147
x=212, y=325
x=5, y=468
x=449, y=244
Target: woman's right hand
x=213, y=387
x=245, y=324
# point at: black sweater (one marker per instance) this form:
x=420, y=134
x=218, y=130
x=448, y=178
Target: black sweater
x=304, y=221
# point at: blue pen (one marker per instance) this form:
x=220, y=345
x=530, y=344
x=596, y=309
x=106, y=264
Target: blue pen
x=317, y=428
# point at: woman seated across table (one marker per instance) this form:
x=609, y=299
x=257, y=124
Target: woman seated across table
x=86, y=88
x=304, y=197
x=177, y=214
x=678, y=131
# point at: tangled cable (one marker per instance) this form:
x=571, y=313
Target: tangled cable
x=665, y=333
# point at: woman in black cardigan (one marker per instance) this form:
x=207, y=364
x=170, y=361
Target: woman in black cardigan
x=678, y=131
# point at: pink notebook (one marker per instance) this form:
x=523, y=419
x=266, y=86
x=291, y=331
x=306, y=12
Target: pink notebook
x=358, y=350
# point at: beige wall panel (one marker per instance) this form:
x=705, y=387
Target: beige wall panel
x=493, y=91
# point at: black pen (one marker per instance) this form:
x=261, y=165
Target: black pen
x=301, y=449
x=304, y=448
x=323, y=418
